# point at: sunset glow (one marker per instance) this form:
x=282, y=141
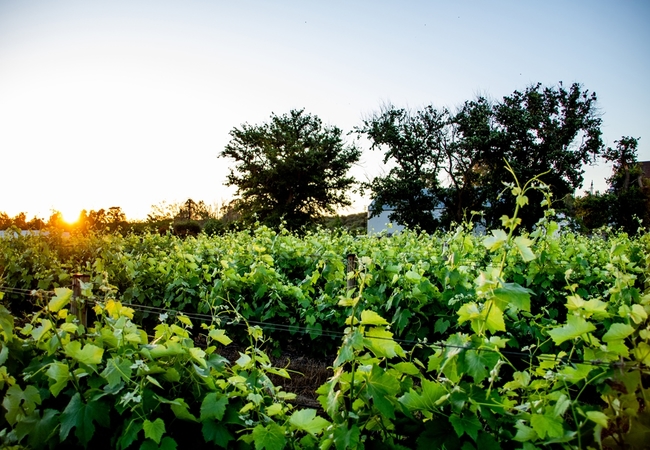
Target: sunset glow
x=128, y=103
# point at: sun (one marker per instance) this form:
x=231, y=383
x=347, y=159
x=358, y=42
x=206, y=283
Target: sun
x=70, y=216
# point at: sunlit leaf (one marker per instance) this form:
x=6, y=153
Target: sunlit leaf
x=90, y=354
x=61, y=299
x=307, y=420
x=369, y=317
x=523, y=245
x=220, y=336
x=617, y=331
x=574, y=328
x=498, y=238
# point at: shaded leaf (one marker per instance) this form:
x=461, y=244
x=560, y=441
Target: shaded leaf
x=60, y=375
x=154, y=430
x=270, y=437
x=512, y=294
x=81, y=416
x=429, y=398
x=470, y=425
x=213, y=406
x=216, y=432
x=546, y=425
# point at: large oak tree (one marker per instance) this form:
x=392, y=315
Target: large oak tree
x=292, y=168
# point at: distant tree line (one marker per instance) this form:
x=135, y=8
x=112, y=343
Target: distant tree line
x=293, y=170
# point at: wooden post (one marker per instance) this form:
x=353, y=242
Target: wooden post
x=77, y=307
x=352, y=265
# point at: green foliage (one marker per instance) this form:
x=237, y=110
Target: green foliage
x=458, y=340
x=626, y=205
x=292, y=169
x=112, y=384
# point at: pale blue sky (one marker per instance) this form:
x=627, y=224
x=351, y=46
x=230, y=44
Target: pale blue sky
x=128, y=103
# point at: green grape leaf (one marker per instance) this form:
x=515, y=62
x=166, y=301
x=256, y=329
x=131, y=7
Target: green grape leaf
x=6, y=321
x=154, y=430
x=521, y=200
x=433, y=393
x=523, y=245
x=513, y=295
x=220, y=336
x=129, y=435
x=380, y=341
x=270, y=437
x=90, y=354
x=80, y=416
x=170, y=349
x=546, y=425
x=306, y=420
x=642, y=353
x=462, y=425
x=44, y=429
x=575, y=327
x=216, y=432
x=494, y=242
x=478, y=363
x=369, y=317
x=167, y=443
x=598, y=417
x=117, y=369
x=441, y=326
x=213, y=406
x=184, y=320
x=617, y=331
x=345, y=438
x=381, y=386
x=60, y=300
x=638, y=314
x=412, y=277
x=494, y=320
x=406, y=367
x=524, y=433
x=60, y=375
x=20, y=403
x=182, y=410
x=468, y=311
x=199, y=356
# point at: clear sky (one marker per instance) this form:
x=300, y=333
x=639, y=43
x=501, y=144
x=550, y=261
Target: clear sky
x=128, y=103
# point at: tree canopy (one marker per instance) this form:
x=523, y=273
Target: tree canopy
x=457, y=160
x=626, y=204
x=292, y=168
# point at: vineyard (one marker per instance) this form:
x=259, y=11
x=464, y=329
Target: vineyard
x=451, y=340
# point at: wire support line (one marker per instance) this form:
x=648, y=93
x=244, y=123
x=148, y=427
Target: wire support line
x=229, y=320
x=27, y=292
x=295, y=329
x=339, y=334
